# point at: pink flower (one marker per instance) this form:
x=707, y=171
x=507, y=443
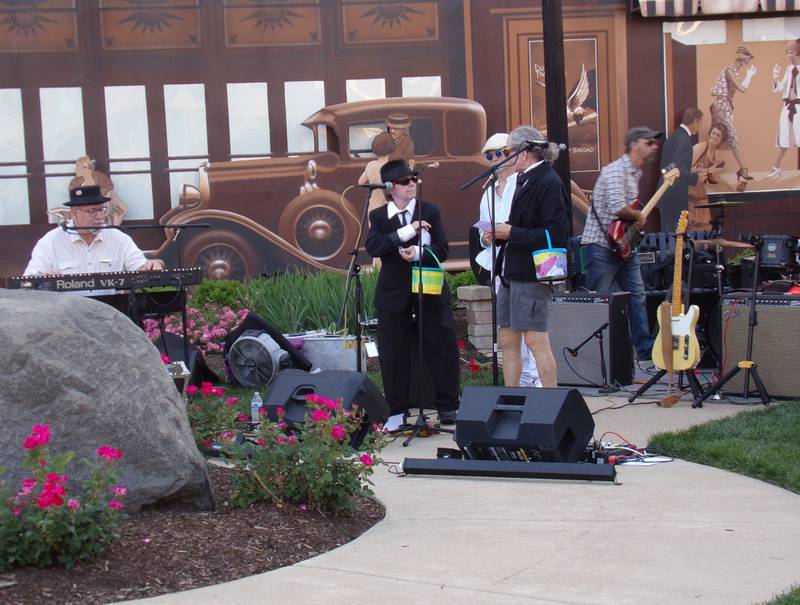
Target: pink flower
x=376, y=428
x=263, y=411
x=261, y=442
x=231, y=401
x=51, y=495
x=338, y=433
x=461, y=344
x=280, y=411
x=242, y=417
x=17, y=510
x=108, y=452
x=115, y=505
x=207, y=443
x=473, y=366
x=27, y=486
x=40, y=435
x=206, y=388
x=119, y=491
x=367, y=460
x=319, y=415
x=72, y=504
x=218, y=391
x=281, y=425
x=191, y=389
x=165, y=359
x=56, y=478
x=331, y=404
x=227, y=435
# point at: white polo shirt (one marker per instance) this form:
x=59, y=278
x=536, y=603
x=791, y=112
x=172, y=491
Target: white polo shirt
x=65, y=252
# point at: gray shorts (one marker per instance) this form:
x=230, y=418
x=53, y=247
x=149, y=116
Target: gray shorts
x=524, y=306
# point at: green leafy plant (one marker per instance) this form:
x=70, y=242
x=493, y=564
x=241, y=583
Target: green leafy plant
x=464, y=278
x=319, y=469
x=42, y=525
x=212, y=416
x=223, y=292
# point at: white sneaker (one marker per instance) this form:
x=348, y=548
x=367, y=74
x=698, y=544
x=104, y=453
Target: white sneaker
x=775, y=173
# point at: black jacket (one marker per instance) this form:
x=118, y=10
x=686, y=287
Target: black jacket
x=540, y=202
x=677, y=150
x=393, y=292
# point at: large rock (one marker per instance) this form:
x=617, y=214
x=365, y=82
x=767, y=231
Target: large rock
x=91, y=374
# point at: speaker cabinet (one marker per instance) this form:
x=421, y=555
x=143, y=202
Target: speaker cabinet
x=775, y=339
x=524, y=424
x=575, y=317
x=290, y=387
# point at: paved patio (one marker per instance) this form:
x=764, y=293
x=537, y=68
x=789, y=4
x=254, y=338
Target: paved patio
x=665, y=534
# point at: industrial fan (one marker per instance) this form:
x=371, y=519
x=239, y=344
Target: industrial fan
x=255, y=359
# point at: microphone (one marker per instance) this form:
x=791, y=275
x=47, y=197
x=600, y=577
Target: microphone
x=388, y=186
x=573, y=352
x=542, y=144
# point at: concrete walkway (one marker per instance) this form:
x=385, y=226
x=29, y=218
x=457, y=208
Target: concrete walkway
x=666, y=534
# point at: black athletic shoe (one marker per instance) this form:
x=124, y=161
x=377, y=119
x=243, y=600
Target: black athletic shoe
x=447, y=417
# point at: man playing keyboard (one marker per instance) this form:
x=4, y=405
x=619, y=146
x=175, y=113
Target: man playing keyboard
x=80, y=247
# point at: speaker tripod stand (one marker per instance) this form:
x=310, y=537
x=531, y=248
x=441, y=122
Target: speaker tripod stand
x=748, y=365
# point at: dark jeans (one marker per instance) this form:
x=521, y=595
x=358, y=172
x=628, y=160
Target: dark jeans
x=606, y=272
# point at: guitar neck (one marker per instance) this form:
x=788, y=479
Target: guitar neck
x=656, y=198
x=677, y=302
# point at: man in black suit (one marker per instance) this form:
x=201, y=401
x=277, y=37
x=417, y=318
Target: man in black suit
x=523, y=303
x=678, y=150
x=394, y=236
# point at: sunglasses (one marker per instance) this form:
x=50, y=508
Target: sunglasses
x=508, y=152
x=405, y=181
x=493, y=155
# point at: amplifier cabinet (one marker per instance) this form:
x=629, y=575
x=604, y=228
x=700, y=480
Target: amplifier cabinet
x=574, y=317
x=775, y=339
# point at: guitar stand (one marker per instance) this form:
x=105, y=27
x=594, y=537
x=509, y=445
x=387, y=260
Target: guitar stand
x=691, y=379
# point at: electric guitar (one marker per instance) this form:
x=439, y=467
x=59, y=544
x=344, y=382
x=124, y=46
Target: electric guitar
x=676, y=347
x=623, y=235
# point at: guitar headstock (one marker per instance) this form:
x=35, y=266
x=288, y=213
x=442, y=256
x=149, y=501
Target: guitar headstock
x=683, y=221
x=670, y=174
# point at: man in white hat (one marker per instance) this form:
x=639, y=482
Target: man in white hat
x=503, y=194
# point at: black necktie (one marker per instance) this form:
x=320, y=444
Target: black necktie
x=403, y=221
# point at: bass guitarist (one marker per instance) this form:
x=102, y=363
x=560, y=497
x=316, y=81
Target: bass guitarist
x=615, y=189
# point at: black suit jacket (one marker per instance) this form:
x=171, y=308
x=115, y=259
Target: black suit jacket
x=393, y=292
x=540, y=202
x=677, y=150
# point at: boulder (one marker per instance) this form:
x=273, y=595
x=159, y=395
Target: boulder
x=90, y=373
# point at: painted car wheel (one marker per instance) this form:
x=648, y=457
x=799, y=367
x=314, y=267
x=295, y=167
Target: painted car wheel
x=222, y=256
x=317, y=224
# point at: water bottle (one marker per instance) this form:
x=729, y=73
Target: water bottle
x=255, y=408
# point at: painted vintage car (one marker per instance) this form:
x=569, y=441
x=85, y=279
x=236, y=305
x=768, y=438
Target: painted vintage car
x=268, y=215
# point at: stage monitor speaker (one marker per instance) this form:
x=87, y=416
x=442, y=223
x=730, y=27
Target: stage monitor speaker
x=523, y=424
x=775, y=339
x=290, y=387
x=576, y=316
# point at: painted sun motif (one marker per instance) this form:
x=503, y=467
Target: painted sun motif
x=272, y=18
x=391, y=14
x=150, y=20
x=25, y=23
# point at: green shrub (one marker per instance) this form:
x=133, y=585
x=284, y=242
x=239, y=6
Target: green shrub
x=42, y=525
x=464, y=278
x=224, y=292
x=319, y=469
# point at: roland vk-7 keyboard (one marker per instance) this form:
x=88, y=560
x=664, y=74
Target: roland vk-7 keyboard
x=122, y=280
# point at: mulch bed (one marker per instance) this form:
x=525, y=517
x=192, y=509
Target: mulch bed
x=162, y=551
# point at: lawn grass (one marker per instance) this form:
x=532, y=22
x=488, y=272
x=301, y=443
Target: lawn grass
x=790, y=597
x=764, y=444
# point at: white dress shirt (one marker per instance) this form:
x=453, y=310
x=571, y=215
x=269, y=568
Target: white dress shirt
x=407, y=232
x=66, y=252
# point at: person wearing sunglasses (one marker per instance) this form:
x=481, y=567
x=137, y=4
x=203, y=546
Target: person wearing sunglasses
x=539, y=207
x=503, y=194
x=616, y=187
x=79, y=247
x=398, y=238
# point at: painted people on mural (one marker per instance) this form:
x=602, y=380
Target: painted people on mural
x=85, y=174
x=397, y=124
x=728, y=83
x=788, y=134
x=704, y=157
x=382, y=146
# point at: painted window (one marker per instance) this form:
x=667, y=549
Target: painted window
x=14, y=209
x=187, y=137
x=303, y=99
x=422, y=86
x=63, y=139
x=364, y=90
x=248, y=119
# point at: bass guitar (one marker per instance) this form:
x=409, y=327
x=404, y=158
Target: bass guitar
x=676, y=347
x=623, y=235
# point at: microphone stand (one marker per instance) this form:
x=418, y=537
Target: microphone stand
x=354, y=275
x=491, y=176
x=421, y=423
x=598, y=334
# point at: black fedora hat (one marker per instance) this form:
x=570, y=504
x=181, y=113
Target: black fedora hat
x=394, y=170
x=86, y=196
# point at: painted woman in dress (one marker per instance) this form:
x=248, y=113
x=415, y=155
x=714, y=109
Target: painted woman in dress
x=704, y=155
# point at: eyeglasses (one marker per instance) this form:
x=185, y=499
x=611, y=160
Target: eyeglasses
x=493, y=155
x=405, y=181
x=94, y=211
x=508, y=152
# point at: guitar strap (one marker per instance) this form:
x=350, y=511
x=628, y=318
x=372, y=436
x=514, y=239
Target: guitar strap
x=603, y=228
